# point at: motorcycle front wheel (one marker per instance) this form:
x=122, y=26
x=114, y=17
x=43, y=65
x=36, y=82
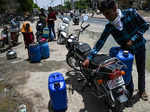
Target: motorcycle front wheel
x=60, y=40
x=72, y=62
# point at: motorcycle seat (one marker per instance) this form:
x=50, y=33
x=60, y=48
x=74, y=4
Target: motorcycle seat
x=99, y=59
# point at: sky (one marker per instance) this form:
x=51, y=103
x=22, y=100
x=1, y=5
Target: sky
x=46, y=3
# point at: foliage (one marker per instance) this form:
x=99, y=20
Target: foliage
x=2, y=2
x=26, y=5
x=81, y=4
x=36, y=6
x=67, y=5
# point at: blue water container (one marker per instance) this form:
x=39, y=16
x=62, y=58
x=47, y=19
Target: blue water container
x=127, y=58
x=45, y=51
x=34, y=52
x=114, y=51
x=57, y=91
x=45, y=32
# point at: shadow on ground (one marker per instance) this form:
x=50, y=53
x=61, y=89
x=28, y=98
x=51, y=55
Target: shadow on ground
x=92, y=103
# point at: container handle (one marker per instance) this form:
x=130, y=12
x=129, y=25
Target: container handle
x=56, y=85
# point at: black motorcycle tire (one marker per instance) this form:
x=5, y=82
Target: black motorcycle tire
x=69, y=61
x=117, y=108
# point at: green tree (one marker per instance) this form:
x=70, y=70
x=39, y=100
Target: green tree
x=2, y=3
x=36, y=6
x=67, y=5
x=26, y=5
x=82, y=4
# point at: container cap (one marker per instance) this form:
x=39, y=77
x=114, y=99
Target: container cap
x=125, y=53
x=56, y=77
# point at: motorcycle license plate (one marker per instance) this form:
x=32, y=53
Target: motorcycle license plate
x=115, y=83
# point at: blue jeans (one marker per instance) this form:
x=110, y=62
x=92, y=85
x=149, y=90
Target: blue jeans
x=52, y=29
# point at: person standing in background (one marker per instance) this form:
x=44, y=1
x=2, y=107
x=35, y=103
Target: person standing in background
x=51, y=21
x=28, y=36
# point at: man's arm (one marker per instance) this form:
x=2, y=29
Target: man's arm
x=142, y=28
x=100, y=42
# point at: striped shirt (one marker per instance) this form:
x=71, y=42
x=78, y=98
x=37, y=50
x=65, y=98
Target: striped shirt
x=134, y=26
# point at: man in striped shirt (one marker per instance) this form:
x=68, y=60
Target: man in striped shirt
x=127, y=28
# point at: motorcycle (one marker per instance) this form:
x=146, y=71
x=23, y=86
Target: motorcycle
x=103, y=77
x=76, y=20
x=63, y=30
x=77, y=51
x=39, y=27
x=4, y=37
x=2, y=43
x=71, y=14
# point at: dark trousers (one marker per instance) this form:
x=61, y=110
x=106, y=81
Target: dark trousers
x=140, y=57
x=52, y=29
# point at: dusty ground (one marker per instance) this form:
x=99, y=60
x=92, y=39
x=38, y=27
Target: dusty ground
x=31, y=79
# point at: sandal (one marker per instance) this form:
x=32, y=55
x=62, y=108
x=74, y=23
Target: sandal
x=143, y=96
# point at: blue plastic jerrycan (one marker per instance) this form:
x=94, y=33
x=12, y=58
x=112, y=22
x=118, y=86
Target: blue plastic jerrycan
x=127, y=58
x=57, y=91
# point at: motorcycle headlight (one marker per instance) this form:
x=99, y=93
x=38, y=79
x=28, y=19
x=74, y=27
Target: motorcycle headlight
x=72, y=37
x=40, y=24
x=69, y=40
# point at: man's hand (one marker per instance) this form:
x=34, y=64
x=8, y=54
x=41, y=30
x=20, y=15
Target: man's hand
x=86, y=63
x=129, y=43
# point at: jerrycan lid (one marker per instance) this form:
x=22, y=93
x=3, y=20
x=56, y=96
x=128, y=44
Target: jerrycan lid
x=56, y=77
x=125, y=53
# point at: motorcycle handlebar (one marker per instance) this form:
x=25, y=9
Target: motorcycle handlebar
x=83, y=28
